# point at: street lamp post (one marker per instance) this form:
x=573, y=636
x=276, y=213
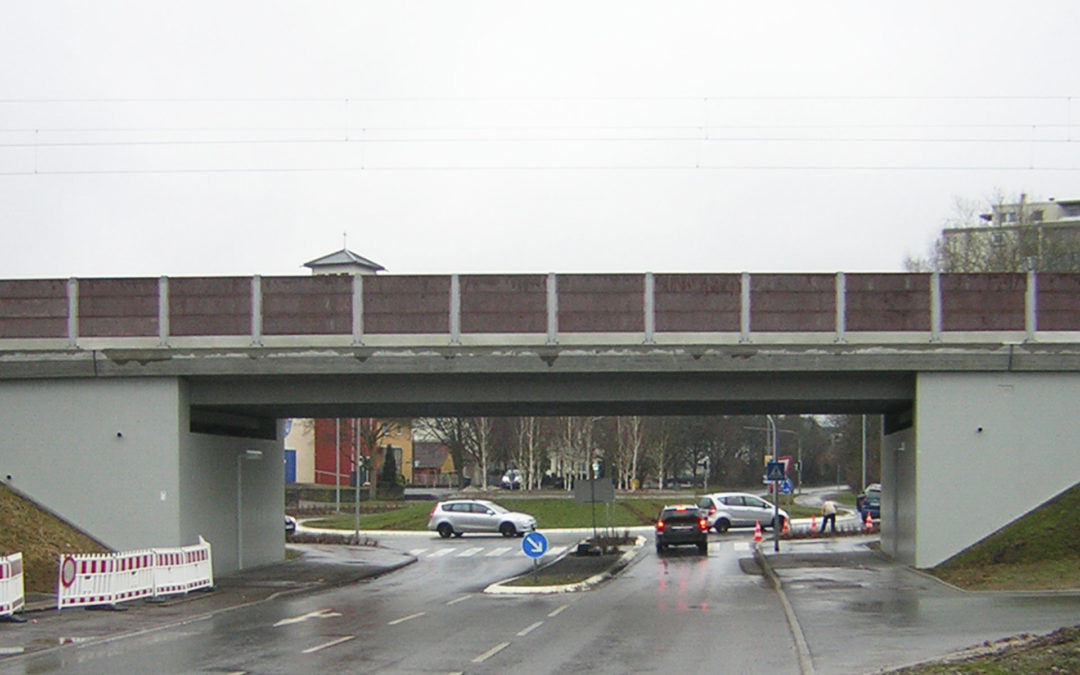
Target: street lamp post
x=245, y=455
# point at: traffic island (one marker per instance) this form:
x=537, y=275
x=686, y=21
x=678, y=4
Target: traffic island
x=579, y=569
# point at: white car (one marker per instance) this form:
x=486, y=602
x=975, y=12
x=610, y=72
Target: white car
x=458, y=516
x=738, y=509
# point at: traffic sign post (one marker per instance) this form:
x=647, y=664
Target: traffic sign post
x=774, y=471
x=534, y=545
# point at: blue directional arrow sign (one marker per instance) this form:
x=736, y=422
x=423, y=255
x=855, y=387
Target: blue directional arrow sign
x=534, y=544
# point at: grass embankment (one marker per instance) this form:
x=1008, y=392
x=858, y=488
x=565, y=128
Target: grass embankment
x=41, y=538
x=1038, y=551
x=550, y=512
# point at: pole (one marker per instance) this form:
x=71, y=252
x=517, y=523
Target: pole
x=239, y=512
x=337, y=466
x=776, y=488
x=799, y=439
x=864, y=453
x=356, y=486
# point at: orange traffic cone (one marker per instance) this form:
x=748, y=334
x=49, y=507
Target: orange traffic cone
x=785, y=531
x=757, y=532
x=869, y=523
x=813, y=524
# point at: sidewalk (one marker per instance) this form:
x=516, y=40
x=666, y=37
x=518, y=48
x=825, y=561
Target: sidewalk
x=319, y=567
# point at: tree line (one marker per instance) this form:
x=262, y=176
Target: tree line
x=657, y=451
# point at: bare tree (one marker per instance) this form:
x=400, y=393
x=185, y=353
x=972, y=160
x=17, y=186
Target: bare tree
x=527, y=456
x=631, y=442
x=970, y=244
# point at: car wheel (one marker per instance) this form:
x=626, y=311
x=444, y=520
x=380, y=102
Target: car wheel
x=507, y=529
x=703, y=548
x=722, y=525
x=445, y=530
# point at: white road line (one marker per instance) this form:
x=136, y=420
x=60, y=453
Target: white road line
x=457, y=600
x=491, y=652
x=740, y=546
x=317, y=614
x=469, y=552
x=525, y=631
x=556, y=550
x=497, y=551
x=441, y=552
x=416, y=552
x=557, y=611
x=338, y=641
x=406, y=618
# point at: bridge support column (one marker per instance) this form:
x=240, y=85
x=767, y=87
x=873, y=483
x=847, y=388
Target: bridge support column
x=117, y=458
x=987, y=448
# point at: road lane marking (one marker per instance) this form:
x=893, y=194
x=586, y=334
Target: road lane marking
x=311, y=650
x=491, y=652
x=497, y=551
x=317, y=614
x=469, y=552
x=557, y=611
x=741, y=546
x=441, y=552
x=555, y=550
x=406, y=618
x=416, y=552
x=525, y=631
x=457, y=600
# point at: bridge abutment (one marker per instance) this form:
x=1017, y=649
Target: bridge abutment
x=985, y=449
x=117, y=459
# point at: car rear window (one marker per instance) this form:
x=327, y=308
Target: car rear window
x=680, y=515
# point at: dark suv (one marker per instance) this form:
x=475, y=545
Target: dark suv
x=682, y=525
x=870, y=502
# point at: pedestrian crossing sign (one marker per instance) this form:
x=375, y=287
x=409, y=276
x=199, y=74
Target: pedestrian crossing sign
x=774, y=471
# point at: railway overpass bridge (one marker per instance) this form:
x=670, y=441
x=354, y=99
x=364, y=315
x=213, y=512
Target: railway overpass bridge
x=129, y=405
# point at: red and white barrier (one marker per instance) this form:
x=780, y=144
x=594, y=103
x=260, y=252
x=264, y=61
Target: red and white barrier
x=11, y=584
x=108, y=578
x=201, y=574
x=133, y=576
x=85, y=580
x=184, y=569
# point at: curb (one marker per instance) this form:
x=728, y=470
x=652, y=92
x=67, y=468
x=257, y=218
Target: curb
x=501, y=587
x=806, y=661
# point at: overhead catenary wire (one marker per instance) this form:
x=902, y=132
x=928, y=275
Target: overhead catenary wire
x=1038, y=132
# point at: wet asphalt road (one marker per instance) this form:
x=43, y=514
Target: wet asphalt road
x=858, y=611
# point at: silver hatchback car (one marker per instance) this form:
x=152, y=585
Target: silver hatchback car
x=458, y=516
x=738, y=509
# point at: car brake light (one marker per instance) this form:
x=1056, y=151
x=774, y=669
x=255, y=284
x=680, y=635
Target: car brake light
x=680, y=509
x=433, y=510
x=703, y=524
x=712, y=510
x=659, y=526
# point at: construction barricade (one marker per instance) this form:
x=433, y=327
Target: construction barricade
x=184, y=569
x=11, y=584
x=88, y=580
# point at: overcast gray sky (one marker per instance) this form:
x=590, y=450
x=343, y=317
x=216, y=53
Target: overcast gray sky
x=235, y=138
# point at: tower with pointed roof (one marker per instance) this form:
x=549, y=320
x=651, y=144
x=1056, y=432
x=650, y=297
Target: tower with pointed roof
x=343, y=262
